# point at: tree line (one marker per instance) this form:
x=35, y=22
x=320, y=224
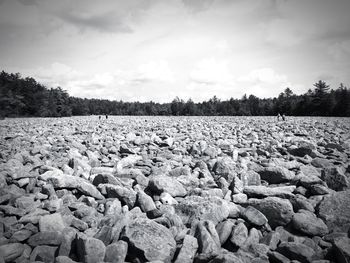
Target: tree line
x=24, y=97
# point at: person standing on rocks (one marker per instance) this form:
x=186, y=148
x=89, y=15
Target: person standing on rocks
x=106, y=116
x=278, y=116
x=283, y=117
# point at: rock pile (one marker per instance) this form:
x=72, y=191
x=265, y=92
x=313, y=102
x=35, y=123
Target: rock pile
x=167, y=189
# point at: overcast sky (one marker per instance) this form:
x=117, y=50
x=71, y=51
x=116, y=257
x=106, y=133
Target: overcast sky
x=141, y=50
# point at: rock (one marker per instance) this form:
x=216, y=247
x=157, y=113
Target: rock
x=116, y=252
x=21, y=235
x=43, y=254
x=113, y=207
x=145, y=201
x=334, y=209
x=279, y=212
x=168, y=184
x=50, y=238
x=271, y=239
x=342, y=249
x=52, y=222
x=335, y=178
x=224, y=167
x=307, y=223
x=224, y=230
x=304, y=148
x=264, y=191
x=321, y=162
x=275, y=257
x=202, y=208
x=208, y=240
x=239, y=234
x=149, y=241
x=167, y=199
x=90, y=249
x=250, y=177
x=68, y=238
x=124, y=194
x=239, y=198
x=11, y=251
x=254, y=216
x=297, y=251
x=64, y=259
x=188, y=250
x=276, y=175
x=71, y=182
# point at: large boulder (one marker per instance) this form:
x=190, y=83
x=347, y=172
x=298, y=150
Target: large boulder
x=162, y=183
x=149, y=241
x=188, y=250
x=71, y=182
x=307, y=223
x=224, y=167
x=335, y=178
x=297, y=251
x=208, y=240
x=276, y=175
x=9, y=252
x=202, y=208
x=90, y=249
x=334, y=209
x=278, y=211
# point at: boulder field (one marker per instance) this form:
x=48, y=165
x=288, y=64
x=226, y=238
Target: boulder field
x=175, y=189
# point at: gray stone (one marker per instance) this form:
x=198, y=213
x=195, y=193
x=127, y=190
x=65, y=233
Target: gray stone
x=264, y=191
x=153, y=240
x=275, y=175
x=271, y=239
x=342, y=249
x=52, y=222
x=279, y=212
x=125, y=194
x=202, y=208
x=11, y=251
x=208, y=240
x=50, y=238
x=307, y=223
x=254, y=216
x=90, y=250
x=71, y=182
x=188, y=250
x=116, y=252
x=224, y=230
x=239, y=234
x=334, y=209
x=171, y=185
x=43, y=254
x=250, y=177
x=297, y=251
x=335, y=178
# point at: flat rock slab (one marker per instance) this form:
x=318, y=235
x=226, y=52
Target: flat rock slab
x=334, y=209
x=149, y=240
x=202, y=208
x=71, y=182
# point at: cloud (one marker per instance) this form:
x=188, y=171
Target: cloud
x=264, y=82
x=105, y=22
x=154, y=71
x=211, y=71
x=197, y=5
x=28, y=2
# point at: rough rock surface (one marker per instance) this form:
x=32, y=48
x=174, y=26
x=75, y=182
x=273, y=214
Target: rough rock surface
x=174, y=189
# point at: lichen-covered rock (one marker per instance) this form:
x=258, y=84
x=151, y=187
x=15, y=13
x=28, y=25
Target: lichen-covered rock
x=278, y=211
x=149, y=241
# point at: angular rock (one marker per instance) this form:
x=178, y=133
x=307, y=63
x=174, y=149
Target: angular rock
x=334, y=209
x=50, y=238
x=250, y=177
x=335, y=178
x=264, y=191
x=43, y=254
x=208, y=240
x=276, y=175
x=224, y=230
x=116, y=252
x=307, y=223
x=90, y=249
x=167, y=184
x=202, y=208
x=11, y=251
x=279, y=212
x=254, y=216
x=71, y=182
x=124, y=194
x=342, y=249
x=297, y=251
x=53, y=222
x=149, y=240
x=239, y=234
x=188, y=250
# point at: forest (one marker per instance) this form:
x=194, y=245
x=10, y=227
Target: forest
x=25, y=97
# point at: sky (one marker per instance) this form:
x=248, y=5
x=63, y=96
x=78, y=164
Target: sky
x=143, y=50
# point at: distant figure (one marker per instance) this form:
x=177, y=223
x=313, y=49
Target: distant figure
x=99, y=117
x=106, y=116
x=278, y=116
x=283, y=117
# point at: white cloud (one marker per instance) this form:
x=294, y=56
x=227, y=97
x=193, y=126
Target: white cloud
x=211, y=71
x=154, y=71
x=264, y=82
